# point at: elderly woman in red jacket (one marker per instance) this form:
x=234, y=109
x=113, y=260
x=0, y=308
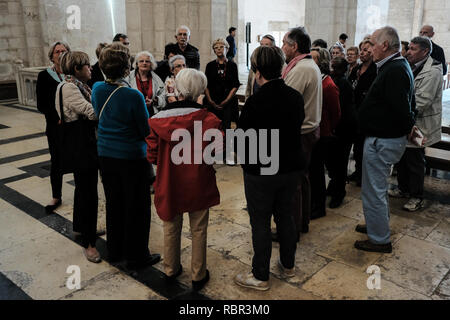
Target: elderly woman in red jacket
x=184, y=187
x=322, y=154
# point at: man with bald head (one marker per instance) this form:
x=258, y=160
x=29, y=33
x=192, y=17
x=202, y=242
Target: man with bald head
x=386, y=119
x=437, y=52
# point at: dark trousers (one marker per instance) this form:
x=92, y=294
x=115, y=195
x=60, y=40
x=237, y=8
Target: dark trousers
x=338, y=167
x=127, y=191
x=85, y=206
x=411, y=172
x=301, y=210
x=227, y=113
x=56, y=176
x=267, y=195
x=358, y=151
x=321, y=157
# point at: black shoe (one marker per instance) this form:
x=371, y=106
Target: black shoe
x=353, y=177
x=361, y=228
x=175, y=276
x=359, y=183
x=336, y=202
x=371, y=247
x=50, y=208
x=149, y=261
x=198, y=285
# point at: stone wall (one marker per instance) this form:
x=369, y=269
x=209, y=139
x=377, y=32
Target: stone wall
x=152, y=24
x=29, y=27
x=327, y=19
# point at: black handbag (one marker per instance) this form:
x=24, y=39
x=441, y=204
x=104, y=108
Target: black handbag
x=77, y=144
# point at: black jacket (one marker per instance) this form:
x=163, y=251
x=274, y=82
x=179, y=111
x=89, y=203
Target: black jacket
x=276, y=106
x=347, y=126
x=439, y=55
x=387, y=110
x=362, y=85
x=163, y=70
x=45, y=94
x=190, y=53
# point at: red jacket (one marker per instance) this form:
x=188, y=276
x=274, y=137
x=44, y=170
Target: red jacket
x=184, y=187
x=331, y=109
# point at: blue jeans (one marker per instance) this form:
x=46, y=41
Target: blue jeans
x=379, y=157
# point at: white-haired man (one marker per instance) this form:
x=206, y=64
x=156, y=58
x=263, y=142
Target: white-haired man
x=386, y=119
x=184, y=48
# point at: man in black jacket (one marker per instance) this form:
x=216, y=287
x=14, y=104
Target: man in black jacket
x=184, y=48
x=437, y=52
x=276, y=107
x=386, y=119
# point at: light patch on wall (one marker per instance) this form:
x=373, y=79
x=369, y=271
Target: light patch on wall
x=111, y=6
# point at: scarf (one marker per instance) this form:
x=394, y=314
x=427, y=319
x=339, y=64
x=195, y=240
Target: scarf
x=58, y=77
x=84, y=88
x=293, y=63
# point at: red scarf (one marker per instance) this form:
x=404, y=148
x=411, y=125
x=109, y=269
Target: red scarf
x=293, y=63
x=145, y=87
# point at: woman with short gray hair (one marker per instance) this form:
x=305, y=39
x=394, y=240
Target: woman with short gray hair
x=176, y=64
x=185, y=186
x=47, y=82
x=148, y=83
x=223, y=83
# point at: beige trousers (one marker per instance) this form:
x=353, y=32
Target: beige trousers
x=172, y=244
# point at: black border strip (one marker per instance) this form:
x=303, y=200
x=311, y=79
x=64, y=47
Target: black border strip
x=10, y=291
x=24, y=156
x=150, y=276
x=22, y=138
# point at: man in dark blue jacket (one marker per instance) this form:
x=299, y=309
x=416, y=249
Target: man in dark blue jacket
x=231, y=41
x=386, y=119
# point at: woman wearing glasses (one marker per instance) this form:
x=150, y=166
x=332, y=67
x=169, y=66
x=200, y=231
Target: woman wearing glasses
x=148, y=83
x=176, y=64
x=223, y=83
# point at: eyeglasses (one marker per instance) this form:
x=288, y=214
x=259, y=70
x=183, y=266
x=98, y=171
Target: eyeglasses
x=219, y=47
x=183, y=34
x=142, y=61
x=177, y=66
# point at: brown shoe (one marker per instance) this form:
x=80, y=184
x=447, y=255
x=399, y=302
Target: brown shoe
x=372, y=247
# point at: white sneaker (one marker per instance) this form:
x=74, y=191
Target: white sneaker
x=285, y=272
x=397, y=193
x=249, y=281
x=413, y=205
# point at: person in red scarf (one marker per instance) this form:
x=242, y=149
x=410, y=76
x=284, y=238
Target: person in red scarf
x=148, y=83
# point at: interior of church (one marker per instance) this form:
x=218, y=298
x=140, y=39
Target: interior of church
x=40, y=256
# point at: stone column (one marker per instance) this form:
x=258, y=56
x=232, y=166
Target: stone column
x=33, y=32
x=418, y=17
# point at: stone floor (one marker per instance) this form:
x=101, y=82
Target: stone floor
x=36, y=249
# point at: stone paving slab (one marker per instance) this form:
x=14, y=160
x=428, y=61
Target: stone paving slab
x=416, y=264
x=221, y=285
x=39, y=266
x=342, y=249
x=113, y=286
x=340, y=282
x=441, y=234
x=17, y=227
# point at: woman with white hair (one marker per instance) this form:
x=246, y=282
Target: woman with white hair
x=223, y=83
x=148, y=83
x=176, y=64
x=185, y=187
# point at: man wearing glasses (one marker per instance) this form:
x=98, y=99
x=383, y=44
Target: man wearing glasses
x=183, y=48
